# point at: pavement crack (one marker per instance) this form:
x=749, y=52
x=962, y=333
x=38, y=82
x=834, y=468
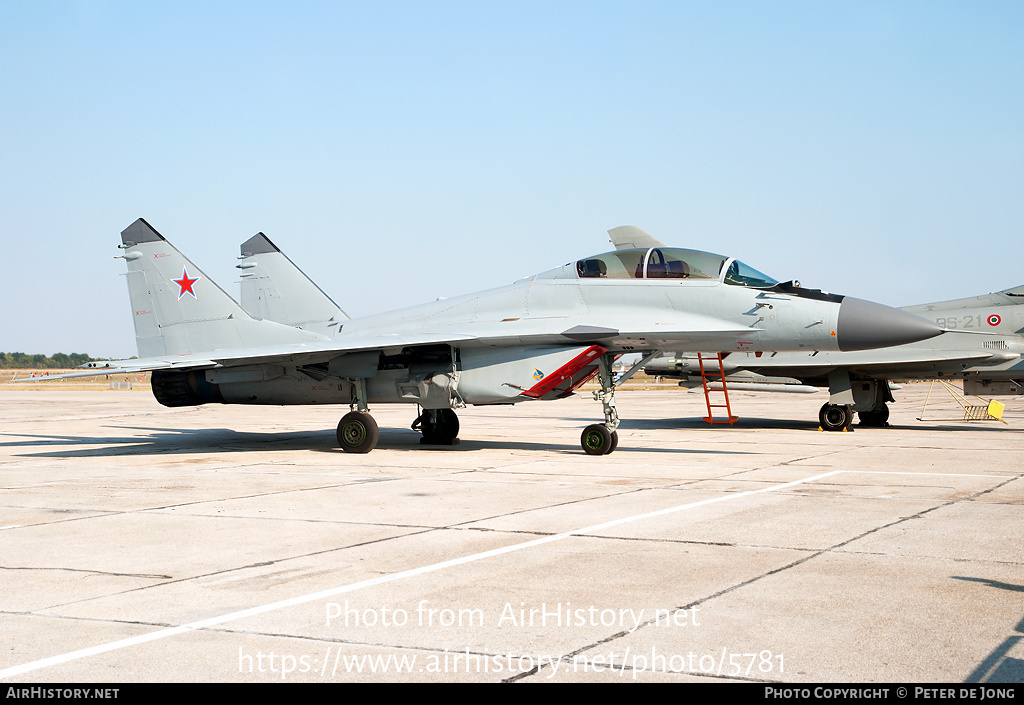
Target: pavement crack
x=149, y=576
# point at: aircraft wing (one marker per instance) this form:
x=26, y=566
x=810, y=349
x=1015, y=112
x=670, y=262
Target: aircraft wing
x=128, y=367
x=696, y=332
x=300, y=354
x=894, y=363
x=693, y=332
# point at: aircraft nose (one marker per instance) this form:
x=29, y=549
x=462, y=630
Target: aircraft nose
x=864, y=325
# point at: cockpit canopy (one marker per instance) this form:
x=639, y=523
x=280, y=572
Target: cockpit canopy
x=671, y=263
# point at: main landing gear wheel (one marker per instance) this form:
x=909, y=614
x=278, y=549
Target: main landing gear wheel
x=357, y=432
x=438, y=426
x=834, y=417
x=598, y=440
x=876, y=418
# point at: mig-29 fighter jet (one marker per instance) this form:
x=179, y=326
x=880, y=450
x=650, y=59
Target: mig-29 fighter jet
x=538, y=338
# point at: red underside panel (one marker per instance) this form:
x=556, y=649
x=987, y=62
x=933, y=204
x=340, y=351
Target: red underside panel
x=569, y=376
x=586, y=374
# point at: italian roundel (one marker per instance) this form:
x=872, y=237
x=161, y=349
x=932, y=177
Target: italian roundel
x=994, y=320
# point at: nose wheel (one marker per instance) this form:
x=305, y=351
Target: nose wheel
x=598, y=440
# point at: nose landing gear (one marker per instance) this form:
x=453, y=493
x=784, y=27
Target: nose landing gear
x=602, y=439
x=598, y=440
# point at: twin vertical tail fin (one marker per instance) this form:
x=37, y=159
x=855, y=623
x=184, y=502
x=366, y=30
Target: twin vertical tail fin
x=178, y=310
x=275, y=289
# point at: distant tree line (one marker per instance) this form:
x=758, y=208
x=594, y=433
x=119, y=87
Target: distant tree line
x=42, y=362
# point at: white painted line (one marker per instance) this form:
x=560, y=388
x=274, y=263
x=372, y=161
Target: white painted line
x=926, y=474
x=312, y=597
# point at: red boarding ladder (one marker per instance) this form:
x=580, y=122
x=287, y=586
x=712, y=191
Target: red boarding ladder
x=710, y=418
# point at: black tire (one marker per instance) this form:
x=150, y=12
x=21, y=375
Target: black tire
x=447, y=426
x=883, y=416
x=834, y=417
x=441, y=429
x=615, y=443
x=596, y=439
x=357, y=432
x=876, y=418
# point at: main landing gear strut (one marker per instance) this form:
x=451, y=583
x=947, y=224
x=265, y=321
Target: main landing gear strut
x=357, y=431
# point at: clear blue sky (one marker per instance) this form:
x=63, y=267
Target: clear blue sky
x=401, y=151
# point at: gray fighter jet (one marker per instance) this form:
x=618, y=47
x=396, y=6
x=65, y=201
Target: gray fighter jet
x=983, y=346
x=538, y=338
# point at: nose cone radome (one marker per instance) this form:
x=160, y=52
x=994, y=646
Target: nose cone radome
x=864, y=325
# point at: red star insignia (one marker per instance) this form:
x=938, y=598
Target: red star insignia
x=185, y=284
